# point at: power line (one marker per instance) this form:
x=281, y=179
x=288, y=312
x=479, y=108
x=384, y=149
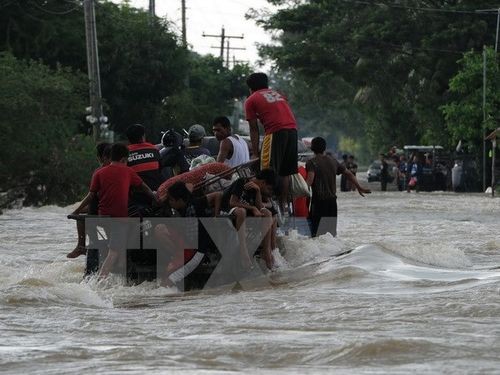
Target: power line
x=53, y=12
x=7, y=3
x=422, y=9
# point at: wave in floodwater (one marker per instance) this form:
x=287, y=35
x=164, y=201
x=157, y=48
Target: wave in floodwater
x=305, y=262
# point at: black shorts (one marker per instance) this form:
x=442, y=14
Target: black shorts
x=279, y=152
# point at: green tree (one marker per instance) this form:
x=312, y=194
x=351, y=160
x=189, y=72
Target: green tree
x=147, y=76
x=464, y=113
x=393, y=60
x=209, y=92
x=39, y=117
x=140, y=63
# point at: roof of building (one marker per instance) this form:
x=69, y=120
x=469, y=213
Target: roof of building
x=493, y=134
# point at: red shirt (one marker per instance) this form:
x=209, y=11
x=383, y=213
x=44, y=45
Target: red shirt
x=272, y=109
x=113, y=183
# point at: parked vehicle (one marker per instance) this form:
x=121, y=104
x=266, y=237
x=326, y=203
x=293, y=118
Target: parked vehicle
x=436, y=175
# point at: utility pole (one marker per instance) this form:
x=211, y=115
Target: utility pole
x=223, y=37
x=484, y=118
x=493, y=156
x=498, y=25
x=229, y=48
x=96, y=117
x=184, y=34
x=152, y=10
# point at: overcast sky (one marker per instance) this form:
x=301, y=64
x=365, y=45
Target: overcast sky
x=208, y=16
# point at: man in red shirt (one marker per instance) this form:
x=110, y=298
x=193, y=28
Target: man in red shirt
x=112, y=184
x=279, y=147
x=104, y=157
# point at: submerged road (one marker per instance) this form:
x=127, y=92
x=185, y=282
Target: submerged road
x=417, y=294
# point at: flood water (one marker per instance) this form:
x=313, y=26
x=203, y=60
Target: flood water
x=419, y=293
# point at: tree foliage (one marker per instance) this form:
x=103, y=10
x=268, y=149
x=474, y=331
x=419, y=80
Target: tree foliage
x=39, y=110
x=208, y=93
x=146, y=75
x=390, y=61
x=464, y=114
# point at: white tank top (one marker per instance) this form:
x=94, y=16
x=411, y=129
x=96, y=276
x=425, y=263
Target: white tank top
x=240, y=152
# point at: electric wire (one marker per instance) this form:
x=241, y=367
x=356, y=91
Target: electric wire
x=53, y=12
x=423, y=9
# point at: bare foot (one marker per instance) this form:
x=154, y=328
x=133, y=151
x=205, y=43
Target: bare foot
x=79, y=250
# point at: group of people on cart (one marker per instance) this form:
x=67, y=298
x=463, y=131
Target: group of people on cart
x=130, y=178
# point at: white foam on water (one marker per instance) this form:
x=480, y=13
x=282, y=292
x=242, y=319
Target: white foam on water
x=383, y=263
x=440, y=255
x=53, y=283
x=115, y=288
x=299, y=250
x=38, y=292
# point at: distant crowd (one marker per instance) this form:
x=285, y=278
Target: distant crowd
x=409, y=173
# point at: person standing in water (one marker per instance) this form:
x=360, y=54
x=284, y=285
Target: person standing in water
x=384, y=173
x=321, y=175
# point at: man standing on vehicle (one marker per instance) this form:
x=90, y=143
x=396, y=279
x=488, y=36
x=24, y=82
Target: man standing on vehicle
x=279, y=147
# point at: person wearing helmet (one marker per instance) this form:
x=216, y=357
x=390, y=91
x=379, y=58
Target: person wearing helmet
x=196, y=133
x=172, y=160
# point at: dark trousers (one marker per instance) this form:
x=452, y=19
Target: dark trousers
x=383, y=184
x=323, y=216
